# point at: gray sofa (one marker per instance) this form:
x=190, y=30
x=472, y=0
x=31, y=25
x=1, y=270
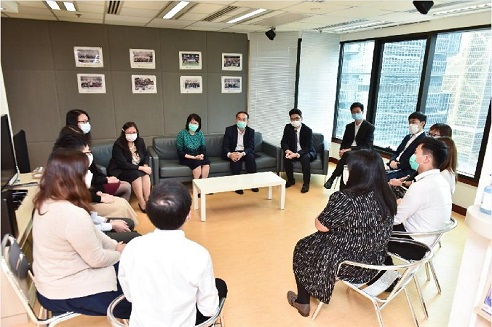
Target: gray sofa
x=165, y=164
x=102, y=153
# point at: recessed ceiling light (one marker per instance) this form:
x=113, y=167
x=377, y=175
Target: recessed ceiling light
x=176, y=9
x=243, y=17
x=69, y=6
x=53, y=5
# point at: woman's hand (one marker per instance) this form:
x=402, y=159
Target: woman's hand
x=119, y=225
x=199, y=157
x=319, y=226
x=146, y=169
x=120, y=247
x=112, y=179
x=105, y=197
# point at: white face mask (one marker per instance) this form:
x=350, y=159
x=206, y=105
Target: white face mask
x=85, y=127
x=131, y=137
x=345, y=175
x=296, y=123
x=88, y=179
x=413, y=128
x=90, y=157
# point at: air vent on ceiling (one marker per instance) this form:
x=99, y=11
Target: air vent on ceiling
x=114, y=7
x=219, y=13
x=357, y=21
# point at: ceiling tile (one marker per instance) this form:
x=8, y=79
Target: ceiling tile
x=120, y=18
x=148, y=5
x=90, y=7
x=169, y=23
x=206, y=8
x=139, y=12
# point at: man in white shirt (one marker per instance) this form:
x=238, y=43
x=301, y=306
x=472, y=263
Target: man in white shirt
x=168, y=278
x=426, y=205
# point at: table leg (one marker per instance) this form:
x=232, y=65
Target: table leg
x=195, y=196
x=203, y=208
x=269, y=193
x=282, y=196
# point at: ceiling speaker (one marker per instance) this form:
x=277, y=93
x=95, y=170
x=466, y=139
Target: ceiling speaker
x=271, y=33
x=423, y=6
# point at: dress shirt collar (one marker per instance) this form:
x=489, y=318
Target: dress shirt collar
x=426, y=174
x=174, y=233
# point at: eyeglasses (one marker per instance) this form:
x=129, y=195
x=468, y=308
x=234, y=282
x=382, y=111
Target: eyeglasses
x=434, y=135
x=83, y=121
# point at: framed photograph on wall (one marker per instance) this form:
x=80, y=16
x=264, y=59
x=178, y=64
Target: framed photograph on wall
x=88, y=56
x=232, y=61
x=231, y=84
x=142, y=58
x=144, y=84
x=91, y=83
x=190, y=60
x=191, y=84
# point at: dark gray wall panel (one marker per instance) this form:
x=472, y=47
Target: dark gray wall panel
x=218, y=43
x=123, y=38
x=174, y=41
x=27, y=45
x=32, y=96
x=143, y=109
x=39, y=152
x=65, y=36
x=100, y=107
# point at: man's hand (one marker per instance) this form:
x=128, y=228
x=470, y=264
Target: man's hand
x=395, y=182
x=292, y=155
x=393, y=164
x=105, y=197
x=119, y=225
x=341, y=152
x=235, y=156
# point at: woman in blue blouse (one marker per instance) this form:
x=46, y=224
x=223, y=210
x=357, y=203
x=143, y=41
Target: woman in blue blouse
x=190, y=144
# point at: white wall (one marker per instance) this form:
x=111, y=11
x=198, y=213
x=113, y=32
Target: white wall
x=4, y=107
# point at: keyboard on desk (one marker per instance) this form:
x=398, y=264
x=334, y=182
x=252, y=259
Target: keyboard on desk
x=18, y=196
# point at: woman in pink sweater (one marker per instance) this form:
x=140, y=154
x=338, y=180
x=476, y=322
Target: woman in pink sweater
x=74, y=263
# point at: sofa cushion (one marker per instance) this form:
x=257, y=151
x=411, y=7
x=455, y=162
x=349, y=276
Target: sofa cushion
x=102, y=153
x=213, y=142
x=165, y=146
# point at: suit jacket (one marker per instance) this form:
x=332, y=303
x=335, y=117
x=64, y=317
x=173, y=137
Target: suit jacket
x=364, y=137
x=407, y=153
x=122, y=157
x=305, y=140
x=229, y=142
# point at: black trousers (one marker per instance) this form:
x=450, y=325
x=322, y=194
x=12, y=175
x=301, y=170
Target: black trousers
x=124, y=237
x=341, y=163
x=222, y=290
x=406, y=251
x=250, y=163
x=305, y=160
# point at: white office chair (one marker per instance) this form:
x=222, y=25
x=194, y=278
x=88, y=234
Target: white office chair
x=216, y=319
x=16, y=268
x=402, y=274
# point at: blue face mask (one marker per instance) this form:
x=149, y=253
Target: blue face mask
x=193, y=127
x=413, y=162
x=357, y=116
x=241, y=124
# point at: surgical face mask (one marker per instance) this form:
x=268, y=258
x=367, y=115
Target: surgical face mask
x=88, y=179
x=85, y=127
x=296, y=123
x=193, y=127
x=241, y=124
x=413, y=128
x=131, y=137
x=90, y=157
x=357, y=116
x=413, y=162
x=345, y=175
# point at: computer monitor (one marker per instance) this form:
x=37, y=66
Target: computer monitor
x=9, y=172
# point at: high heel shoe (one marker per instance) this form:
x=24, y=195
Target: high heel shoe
x=143, y=210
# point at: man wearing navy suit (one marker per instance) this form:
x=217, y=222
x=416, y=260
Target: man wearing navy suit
x=359, y=134
x=238, y=146
x=297, y=145
x=399, y=165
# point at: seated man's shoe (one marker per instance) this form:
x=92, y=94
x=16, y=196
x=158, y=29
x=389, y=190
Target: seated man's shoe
x=305, y=188
x=255, y=189
x=239, y=191
x=329, y=183
x=303, y=309
x=289, y=183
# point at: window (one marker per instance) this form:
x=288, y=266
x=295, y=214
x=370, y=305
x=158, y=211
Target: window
x=460, y=91
x=354, y=80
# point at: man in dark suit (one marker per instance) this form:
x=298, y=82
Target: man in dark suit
x=238, y=146
x=359, y=134
x=297, y=145
x=399, y=165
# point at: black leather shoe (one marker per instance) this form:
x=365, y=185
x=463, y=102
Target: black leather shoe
x=329, y=183
x=305, y=188
x=255, y=189
x=289, y=183
x=239, y=191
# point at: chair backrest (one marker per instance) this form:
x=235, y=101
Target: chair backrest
x=17, y=270
x=116, y=323
x=450, y=225
x=318, y=142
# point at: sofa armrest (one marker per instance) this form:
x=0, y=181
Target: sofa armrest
x=154, y=164
x=273, y=151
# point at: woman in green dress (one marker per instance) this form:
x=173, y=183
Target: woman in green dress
x=190, y=144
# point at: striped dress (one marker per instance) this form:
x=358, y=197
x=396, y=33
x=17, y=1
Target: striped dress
x=358, y=232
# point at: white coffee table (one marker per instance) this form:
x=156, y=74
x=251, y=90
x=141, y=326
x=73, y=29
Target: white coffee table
x=236, y=182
